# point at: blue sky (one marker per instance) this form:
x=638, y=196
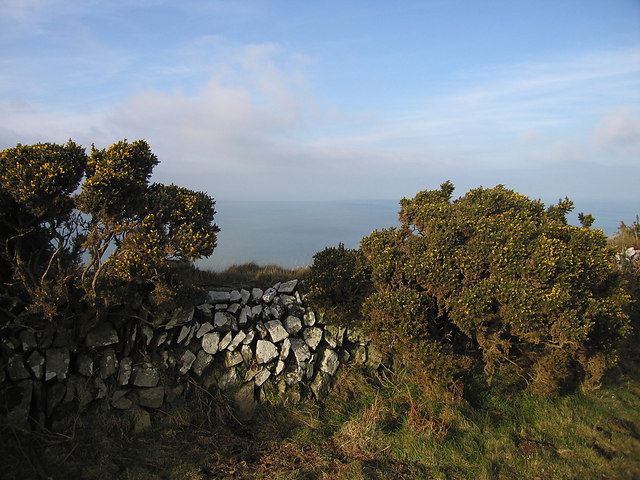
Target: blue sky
x=275, y=100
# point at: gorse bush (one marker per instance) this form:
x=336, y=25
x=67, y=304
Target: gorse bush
x=338, y=281
x=117, y=238
x=495, y=271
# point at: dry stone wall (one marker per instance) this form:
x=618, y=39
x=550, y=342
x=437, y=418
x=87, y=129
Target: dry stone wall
x=239, y=341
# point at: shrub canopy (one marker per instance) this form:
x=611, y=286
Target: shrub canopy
x=496, y=271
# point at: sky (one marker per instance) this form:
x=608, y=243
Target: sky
x=340, y=100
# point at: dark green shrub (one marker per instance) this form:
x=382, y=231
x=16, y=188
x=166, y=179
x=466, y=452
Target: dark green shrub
x=541, y=300
x=338, y=281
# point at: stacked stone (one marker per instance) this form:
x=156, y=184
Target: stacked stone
x=240, y=340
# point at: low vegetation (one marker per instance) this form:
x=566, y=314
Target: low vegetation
x=511, y=337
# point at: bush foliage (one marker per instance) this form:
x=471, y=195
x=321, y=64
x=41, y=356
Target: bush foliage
x=540, y=300
x=116, y=238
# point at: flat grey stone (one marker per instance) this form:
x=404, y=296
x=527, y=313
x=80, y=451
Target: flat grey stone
x=261, y=377
x=288, y=287
x=235, y=296
x=102, y=336
x=245, y=315
x=35, y=361
x=16, y=368
x=145, y=375
x=211, y=342
x=329, y=361
x=147, y=334
x=300, y=350
x=237, y=339
x=186, y=361
x=312, y=336
x=151, y=397
x=292, y=324
x=320, y=386
x=202, y=361
x=245, y=402
x=285, y=348
x=309, y=318
x=333, y=335
x=228, y=380
x=84, y=365
x=214, y=297
x=277, y=310
x=106, y=363
x=269, y=295
x=120, y=401
x=245, y=295
x=277, y=332
x=204, y=329
x=125, y=370
x=28, y=340
x=249, y=337
x=247, y=354
x=57, y=363
x=256, y=294
x=265, y=351
x=233, y=358
x=222, y=321
x=225, y=341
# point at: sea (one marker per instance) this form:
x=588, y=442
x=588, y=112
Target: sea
x=289, y=233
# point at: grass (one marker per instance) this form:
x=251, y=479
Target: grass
x=397, y=425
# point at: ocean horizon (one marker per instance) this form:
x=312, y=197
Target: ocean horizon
x=289, y=233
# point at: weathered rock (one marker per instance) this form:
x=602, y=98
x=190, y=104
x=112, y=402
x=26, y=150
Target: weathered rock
x=160, y=338
x=256, y=311
x=106, y=363
x=288, y=287
x=151, y=397
x=225, y=341
x=320, y=385
x=16, y=368
x=261, y=377
x=300, y=350
x=247, y=354
x=234, y=308
x=245, y=315
x=186, y=361
x=279, y=367
x=235, y=296
x=184, y=332
x=9, y=345
x=214, y=297
x=284, y=349
x=245, y=402
x=57, y=363
x=146, y=333
x=292, y=324
x=125, y=370
x=260, y=328
x=293, y=377
x=35, y=361
x=141, y=420
x=344, y=356
x=249, y=337
x=145, y=375
x=256, y=294
x=334, y=335
x=211, y=342
x=309, y=318
x=312, y=336
x=120, y=401
x=237, y=339
x=229, y=379
x=277, y=310
x=265, y=351
x=233, y=358
x=360, y=356
x=102, y=336
x=28, y=340
x=329, y=361
x=45, y=338
x=277, y=332
x=356, y=336
x=222, y=321
x=205, y=312
x=202, y=361
x=269, y=295
x=245, y=295
x=84, y=365
x=204, y=329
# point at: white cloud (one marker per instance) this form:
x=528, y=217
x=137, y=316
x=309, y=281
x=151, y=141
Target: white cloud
x=620, y=132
